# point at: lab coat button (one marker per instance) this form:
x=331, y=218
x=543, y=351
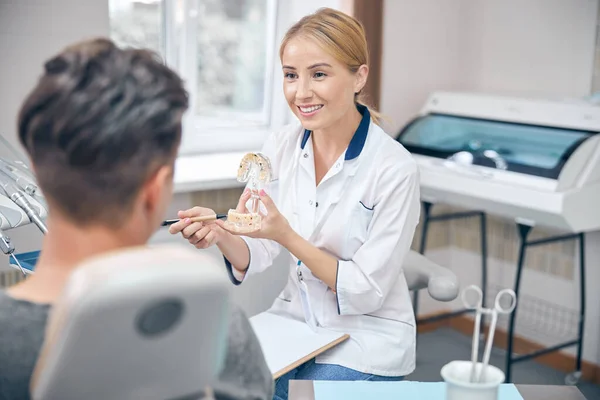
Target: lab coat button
x=305, y=155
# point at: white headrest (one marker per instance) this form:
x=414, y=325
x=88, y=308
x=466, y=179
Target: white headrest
x=139, y=323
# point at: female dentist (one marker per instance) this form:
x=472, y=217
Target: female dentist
x=344, y=201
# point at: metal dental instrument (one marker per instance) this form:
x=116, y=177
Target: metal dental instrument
x=9, y=249
x=479, y=310
x=9, y=170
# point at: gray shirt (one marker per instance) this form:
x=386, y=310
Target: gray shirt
x=245, y=375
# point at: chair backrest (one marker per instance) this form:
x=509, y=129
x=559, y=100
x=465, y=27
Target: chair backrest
x=143, y=323
x=420, y=272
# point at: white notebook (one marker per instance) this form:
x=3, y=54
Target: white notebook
x=287, y=343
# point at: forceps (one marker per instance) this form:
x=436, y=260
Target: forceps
x=479, y=310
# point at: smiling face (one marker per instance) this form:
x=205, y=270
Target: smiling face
x=318, y=88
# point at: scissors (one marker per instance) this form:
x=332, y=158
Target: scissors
x=498, y=309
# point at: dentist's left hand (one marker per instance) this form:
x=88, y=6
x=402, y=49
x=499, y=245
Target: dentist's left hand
x=273, y=225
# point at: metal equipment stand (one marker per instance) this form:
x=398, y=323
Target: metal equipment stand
x=427, y=218
x=510, y=359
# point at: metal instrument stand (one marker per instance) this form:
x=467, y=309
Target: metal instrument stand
x=510, y=359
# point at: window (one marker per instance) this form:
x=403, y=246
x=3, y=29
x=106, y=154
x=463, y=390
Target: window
x=226, y=51
x=137, y=23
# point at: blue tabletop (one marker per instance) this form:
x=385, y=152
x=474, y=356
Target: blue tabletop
x=355, y=390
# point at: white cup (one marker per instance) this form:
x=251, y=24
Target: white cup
x=457, y=376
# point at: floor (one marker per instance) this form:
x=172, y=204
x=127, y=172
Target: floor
x=437, y=348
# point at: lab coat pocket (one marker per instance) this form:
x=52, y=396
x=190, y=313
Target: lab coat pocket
x=358, y=226
x=330, y=309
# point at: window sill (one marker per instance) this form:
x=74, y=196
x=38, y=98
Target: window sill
x=199, y=172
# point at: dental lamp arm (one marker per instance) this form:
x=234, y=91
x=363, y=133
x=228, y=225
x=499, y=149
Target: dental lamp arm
x=19, y=163
x=8, y=168
x=17, y=197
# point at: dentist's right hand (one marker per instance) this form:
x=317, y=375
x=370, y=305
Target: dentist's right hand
x=204, y=234
x=200, y=234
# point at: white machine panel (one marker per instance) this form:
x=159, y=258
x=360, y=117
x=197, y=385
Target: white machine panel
x=532, y=160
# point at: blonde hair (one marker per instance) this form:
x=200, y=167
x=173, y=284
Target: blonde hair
x=340, y=35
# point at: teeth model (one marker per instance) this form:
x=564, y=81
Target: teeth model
x=255, y=168
x=242, y=222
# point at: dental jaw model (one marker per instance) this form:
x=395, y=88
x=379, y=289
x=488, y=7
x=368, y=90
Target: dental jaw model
x=243, y=222
x=255, y=168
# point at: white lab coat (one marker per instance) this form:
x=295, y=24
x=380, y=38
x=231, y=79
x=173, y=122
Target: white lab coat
x=364, y=212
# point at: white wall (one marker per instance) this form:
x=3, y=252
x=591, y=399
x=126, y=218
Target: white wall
x=421, y=40
x=539, y=48
x=529, y=47
x=30, y=32
x=526, y=47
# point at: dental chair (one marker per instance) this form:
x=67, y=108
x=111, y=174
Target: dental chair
x=145, y=323
x=420, y=272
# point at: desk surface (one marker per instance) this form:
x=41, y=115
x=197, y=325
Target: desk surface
x=303, y=390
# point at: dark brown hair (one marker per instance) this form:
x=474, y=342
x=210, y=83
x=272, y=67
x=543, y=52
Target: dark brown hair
x=100, y=121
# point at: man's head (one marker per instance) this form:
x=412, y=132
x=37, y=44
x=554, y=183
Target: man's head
x=102, y=128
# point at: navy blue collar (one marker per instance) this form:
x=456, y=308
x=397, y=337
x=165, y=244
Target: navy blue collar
x=358, y=140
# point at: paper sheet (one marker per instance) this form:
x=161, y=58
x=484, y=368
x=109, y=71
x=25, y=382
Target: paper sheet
x=355, y=390
x=285, y=341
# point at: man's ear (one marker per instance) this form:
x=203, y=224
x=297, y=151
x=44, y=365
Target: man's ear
x=361, y=78
x=155, y=186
